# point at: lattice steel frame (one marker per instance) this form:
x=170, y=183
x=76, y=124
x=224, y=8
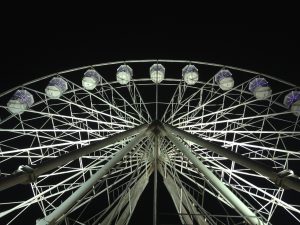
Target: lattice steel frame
x=48, y=132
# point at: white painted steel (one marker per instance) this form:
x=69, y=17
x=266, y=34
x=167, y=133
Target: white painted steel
x=262, y=130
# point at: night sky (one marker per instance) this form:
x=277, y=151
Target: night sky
x=31, y=51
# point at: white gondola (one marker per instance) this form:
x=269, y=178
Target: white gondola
x=260, y=88
x=20, y=101
x=124, y=74
x=292, y=102
x=90, y=79
x=157, y=73
x=224, y=79
x=56, y=87
x=190, y=74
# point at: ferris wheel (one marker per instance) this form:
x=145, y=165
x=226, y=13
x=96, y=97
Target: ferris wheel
x=79, y=146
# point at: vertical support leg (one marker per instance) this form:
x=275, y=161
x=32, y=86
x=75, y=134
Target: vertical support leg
x=155, y=154
x=156, y=101
x=227, y=194
x=136, y=192
x=126, y=215
x=62, y=210
x=188, y=210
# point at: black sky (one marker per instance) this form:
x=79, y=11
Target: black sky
x=31, y=50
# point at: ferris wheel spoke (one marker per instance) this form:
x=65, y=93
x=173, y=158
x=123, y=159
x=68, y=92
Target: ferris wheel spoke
x=199, y=100
x=49, y=146
x=118, y=202
x=254, y=154
x=168, y=169
x=46, y=138
x=45, y=131
x=179, y=192
x=211, y=178
x=127, y=196
x=230, y=108
x=103, y=100
x=235, y=99
x=257, y=118
x=46, y=192
x=202, y=125
x=176, y=95
x=53, y=145
x=16, y=216
x=131, y=172
x=52, y=105
x=205, y=190
x=49, y=138
x=252, y=190
x=73, y=102
x=75, y=118
x=36, y=128
x=247, y=103
x=118, y=178
x=117, y=94
x=267, y=194
x=192, y=179
x=98, y=112
x=138, y=102
x=252, y=187
x=179, y=101
x=203, y=104
x=283, y=134
x=269, y=136
x=223, y=131
x=231, y=143
x=34, y=199
x=269, y=140
x=278, y=162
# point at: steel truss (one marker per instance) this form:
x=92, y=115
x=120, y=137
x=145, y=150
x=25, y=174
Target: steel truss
x=225, y=157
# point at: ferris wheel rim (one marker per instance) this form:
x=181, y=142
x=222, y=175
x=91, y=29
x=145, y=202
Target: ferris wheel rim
x=149, y=61
x=174, y=80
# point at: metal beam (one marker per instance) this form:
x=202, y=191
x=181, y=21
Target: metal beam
x=126, y=215
x=282, y=179
x=32, y=173
x=136, y=192
x=155, y=156
x=227, y=194
x=62, y=210
x=190, y=209
x=183, y=214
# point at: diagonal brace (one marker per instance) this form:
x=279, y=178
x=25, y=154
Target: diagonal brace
x=23, y=177
x=227, y=194
x=62, y=210
x=283, y=179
